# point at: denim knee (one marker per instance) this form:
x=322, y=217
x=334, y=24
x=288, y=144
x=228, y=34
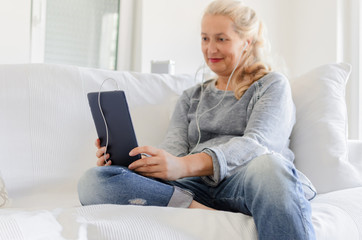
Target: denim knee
x=275, y=198
x=90, y=186
x=272, y=175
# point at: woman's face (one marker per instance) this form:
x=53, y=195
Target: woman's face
x=221, y=45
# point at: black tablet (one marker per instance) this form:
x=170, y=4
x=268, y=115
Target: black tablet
x=121, y=135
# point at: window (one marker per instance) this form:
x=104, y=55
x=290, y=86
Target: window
x=82, y=32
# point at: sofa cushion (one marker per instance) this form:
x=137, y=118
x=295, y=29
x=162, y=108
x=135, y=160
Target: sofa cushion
x=319, y=137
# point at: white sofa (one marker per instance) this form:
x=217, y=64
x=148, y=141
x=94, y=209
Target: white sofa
x=47, y=142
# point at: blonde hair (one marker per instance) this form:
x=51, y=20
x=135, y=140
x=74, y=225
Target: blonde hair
x=248, y=26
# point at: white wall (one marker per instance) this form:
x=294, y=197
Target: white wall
x=315, y=33
x=171, y=31
x=15, y=31
x=302, y=32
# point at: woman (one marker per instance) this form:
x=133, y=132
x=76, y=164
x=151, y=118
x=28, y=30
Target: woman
x=227, y=143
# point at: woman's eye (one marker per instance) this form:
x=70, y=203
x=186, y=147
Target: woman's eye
x=204, y=39
x=222, y=39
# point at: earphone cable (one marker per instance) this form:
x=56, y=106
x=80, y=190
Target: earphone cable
x=104, y=119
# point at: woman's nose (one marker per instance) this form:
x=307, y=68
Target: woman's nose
x=212, y=47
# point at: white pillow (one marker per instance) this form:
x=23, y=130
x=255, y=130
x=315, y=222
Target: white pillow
x=319, y=137
x=3, y=194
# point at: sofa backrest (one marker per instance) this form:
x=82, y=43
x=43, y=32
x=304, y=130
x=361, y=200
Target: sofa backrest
x=46, y=126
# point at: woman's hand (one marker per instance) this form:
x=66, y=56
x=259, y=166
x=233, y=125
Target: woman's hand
x=159, y=164
x=100, y=155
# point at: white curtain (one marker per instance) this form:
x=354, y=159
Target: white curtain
x=350, y=50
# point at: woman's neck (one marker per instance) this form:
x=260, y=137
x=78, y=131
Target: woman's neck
x=222, y=82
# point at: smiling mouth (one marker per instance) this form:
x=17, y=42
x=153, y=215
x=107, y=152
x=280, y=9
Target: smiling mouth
x=215, y=60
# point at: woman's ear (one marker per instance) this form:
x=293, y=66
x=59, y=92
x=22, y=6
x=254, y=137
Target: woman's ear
x=247, y=43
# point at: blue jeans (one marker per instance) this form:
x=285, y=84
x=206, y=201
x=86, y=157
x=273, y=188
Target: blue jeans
x=267, y=188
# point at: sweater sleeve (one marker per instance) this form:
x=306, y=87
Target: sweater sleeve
x=270, y=119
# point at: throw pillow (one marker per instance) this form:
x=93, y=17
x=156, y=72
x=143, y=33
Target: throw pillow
x=319, y=137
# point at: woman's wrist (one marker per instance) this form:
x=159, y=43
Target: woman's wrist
x=198, y=164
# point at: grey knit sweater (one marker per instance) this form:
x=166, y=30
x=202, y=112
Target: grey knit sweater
x=236, y=131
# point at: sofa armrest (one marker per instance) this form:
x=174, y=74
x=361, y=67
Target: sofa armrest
x=355, y=154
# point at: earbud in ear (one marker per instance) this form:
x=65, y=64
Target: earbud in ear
x=245, y=46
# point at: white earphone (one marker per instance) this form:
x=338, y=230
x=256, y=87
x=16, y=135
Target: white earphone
x=245, y=46
x=104, y=119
